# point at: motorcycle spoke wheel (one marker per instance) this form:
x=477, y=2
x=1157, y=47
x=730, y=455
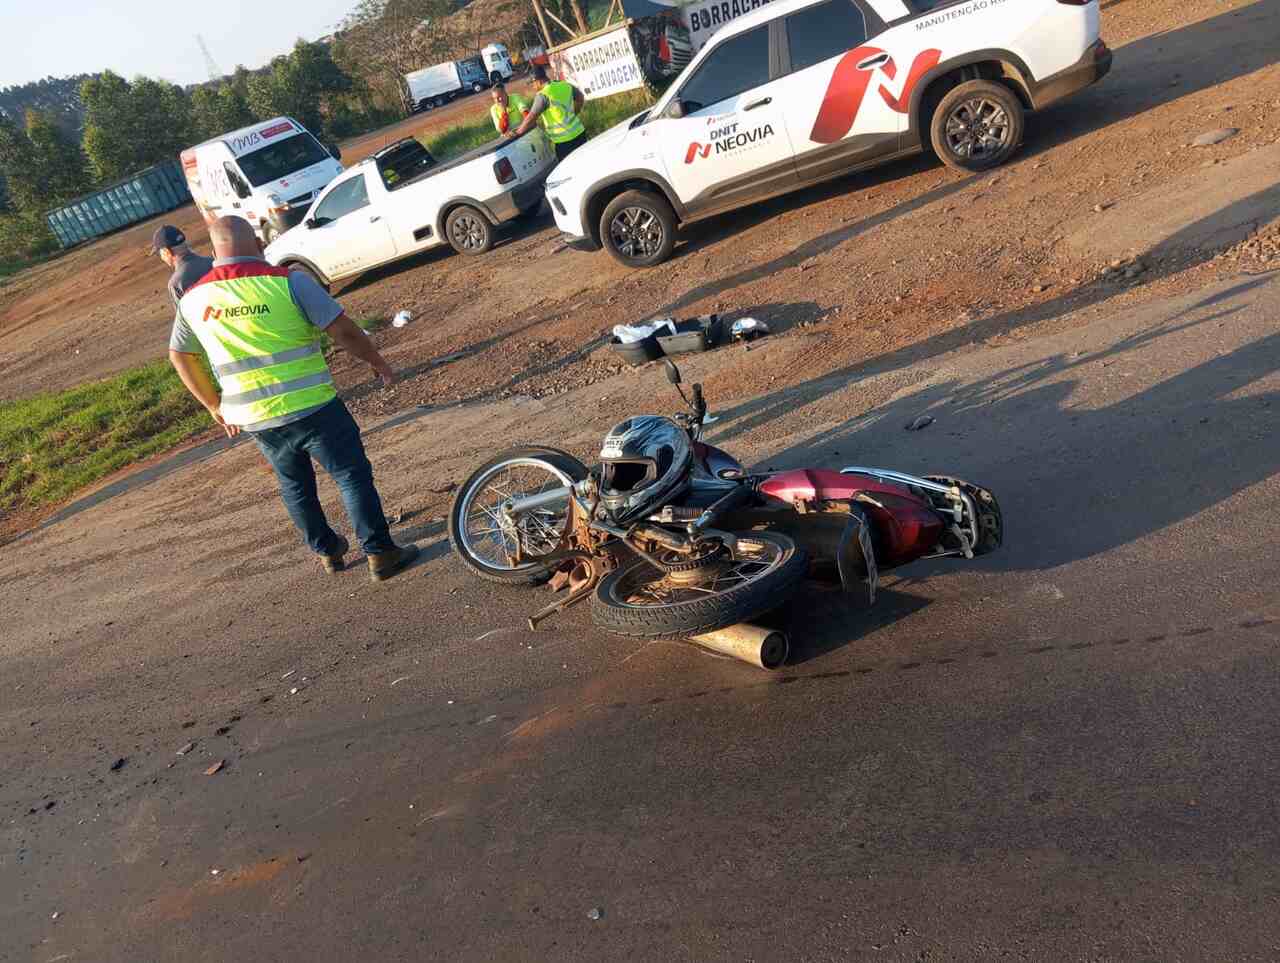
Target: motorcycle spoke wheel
x=639, y=600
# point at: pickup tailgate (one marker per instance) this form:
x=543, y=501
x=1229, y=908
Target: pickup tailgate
x=530, y=158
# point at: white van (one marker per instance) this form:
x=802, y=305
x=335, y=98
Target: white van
x=497, y=62
x=268, y=174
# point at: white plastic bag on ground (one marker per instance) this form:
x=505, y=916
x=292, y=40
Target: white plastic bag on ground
x=631, y=333
x=748, y=328
x=401, y=319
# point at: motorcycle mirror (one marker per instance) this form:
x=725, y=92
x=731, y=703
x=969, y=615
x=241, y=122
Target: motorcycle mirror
x=673, y=373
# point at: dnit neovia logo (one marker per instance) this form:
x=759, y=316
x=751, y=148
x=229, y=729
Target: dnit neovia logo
x=727, y=139
x=235, y=311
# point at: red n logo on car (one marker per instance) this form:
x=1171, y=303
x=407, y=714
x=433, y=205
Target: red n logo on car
x=697, y=150
x=212, y=312
x=849, y=84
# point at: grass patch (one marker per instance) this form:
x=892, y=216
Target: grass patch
x=597, y=116
x=53, y=445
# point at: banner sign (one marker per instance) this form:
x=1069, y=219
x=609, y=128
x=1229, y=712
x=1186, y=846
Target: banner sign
x=600, y=66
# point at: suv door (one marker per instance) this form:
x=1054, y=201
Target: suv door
x=345, y=234
x=848, y=85
x=731, y=145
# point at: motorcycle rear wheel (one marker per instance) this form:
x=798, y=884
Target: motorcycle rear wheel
x=639, y=601
x=473, y=530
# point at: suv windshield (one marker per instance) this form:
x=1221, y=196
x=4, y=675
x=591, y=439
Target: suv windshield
x=281, y=159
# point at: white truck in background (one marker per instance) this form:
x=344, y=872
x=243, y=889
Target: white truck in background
x=497, y=61
x=437, y=85
x=268, y=174
x=401, y=201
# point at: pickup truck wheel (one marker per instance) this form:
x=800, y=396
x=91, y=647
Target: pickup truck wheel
x=468, y=231
x=638, y=229
x=977, y=126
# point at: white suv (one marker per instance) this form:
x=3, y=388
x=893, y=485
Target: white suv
x=799, y=91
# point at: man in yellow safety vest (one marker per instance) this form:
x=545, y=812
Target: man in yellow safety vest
x=260, y=328
x=508, y=110
x=556, y=107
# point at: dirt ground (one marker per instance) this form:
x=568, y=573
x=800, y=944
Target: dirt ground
x=873, y=264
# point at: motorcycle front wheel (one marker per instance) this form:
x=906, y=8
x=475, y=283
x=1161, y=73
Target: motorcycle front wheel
x=641, y=601
x=476, y=531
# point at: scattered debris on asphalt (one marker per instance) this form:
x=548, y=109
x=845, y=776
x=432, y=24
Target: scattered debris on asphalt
x=399, y=680
x=221, y=730
x=118, y=764
x=186, y=749
x=919, y=422
x=1215, y=137
x=215, y=768
x=595, y=913
x=451, y=487
x=401, y=319
x=214, y=872
x=287, y=674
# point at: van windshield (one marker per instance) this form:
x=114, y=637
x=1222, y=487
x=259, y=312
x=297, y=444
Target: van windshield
x=281, y=159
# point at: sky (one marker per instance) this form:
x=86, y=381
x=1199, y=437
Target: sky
x=154, y=38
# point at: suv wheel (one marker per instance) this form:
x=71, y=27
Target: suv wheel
x=638, y=229
x=977, y=126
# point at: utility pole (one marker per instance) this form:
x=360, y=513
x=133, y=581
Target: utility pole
x=210, y=64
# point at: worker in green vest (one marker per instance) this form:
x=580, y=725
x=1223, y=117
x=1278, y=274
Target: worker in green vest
x=259, y=327
x=556, y=107
x=508, y=110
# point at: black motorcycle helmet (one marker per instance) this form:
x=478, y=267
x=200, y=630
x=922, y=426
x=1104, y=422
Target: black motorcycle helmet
x=643, y=462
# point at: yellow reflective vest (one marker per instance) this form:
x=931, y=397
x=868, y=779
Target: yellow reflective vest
x=265, y=353
x=512, y=117
x=559, y=120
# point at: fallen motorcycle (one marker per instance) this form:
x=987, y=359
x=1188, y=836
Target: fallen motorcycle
x=673, y=537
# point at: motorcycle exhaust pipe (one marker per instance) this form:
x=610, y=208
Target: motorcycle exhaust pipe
x=753, y=644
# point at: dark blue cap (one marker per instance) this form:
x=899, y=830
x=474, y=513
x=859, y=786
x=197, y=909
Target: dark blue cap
x=167, y=236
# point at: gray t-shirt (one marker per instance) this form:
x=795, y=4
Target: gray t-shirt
x=312, y=300
x=186, y=273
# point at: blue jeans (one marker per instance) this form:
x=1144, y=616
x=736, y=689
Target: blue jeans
x=331, y=437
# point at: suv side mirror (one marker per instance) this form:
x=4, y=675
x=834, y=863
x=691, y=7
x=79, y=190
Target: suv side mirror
x=673, y=373
x=335, y=152
x=676, y=109
x=311, y=223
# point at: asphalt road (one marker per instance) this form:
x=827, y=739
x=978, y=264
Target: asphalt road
x=1066, y=751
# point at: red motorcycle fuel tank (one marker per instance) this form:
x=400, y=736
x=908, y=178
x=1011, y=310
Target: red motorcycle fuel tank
x=904, y=527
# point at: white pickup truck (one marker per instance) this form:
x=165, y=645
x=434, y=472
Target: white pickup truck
x=798, y=91
x=400, y=202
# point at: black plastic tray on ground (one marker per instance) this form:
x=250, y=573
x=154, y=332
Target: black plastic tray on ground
x=637, y=352
x=698, y=334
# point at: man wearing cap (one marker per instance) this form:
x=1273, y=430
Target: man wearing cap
x=260, y=328
x=188, y=266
